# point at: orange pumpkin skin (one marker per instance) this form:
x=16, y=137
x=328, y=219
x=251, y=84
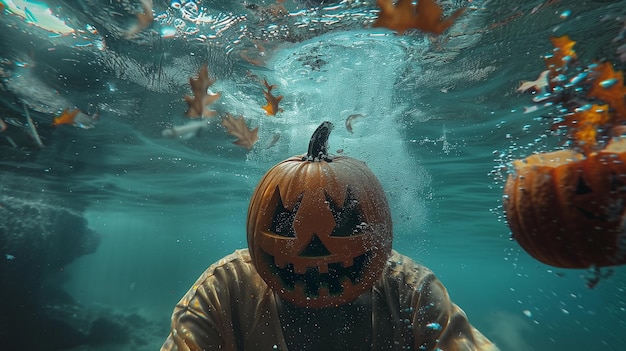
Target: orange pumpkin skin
x=568, y=211
x=319, y=232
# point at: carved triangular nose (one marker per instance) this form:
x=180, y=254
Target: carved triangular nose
x=315, y=248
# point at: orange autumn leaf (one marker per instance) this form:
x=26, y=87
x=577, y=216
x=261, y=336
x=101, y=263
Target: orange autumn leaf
x=565, y=45
x=563, y=51
x=237, y=127
x=66, y=117
x=425, y=16
x=608, y=86
x=271, y=109
x=586, y=124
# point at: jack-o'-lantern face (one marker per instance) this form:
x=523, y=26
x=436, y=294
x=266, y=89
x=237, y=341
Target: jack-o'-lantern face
x=319, y=230
x=569, y=210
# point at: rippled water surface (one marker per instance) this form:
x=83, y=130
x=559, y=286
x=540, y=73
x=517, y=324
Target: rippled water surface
x=440, y=117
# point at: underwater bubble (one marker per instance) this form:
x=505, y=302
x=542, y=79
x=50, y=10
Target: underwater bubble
x=179, y=23
x=433, y=326
x=168, y=32
x=100, y=44
x=527, y=313
x=608, y=83
x=599, y=110
x=542, y=97
x=191, y=8
x=565, y=14
x=91, y=29
x=583, y=108
x=579, y=78
x=191, y=30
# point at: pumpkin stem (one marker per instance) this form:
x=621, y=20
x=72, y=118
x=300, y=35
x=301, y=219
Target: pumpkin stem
x=318, y=146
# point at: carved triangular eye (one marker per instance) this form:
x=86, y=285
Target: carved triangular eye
x=582, y=187
x=282, y=221
x=348, y=218
x=616, y=182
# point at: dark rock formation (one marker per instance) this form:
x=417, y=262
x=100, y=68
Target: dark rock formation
x=36, y=239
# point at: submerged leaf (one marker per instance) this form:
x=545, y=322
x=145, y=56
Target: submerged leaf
x=613, y=93
x=271, y=108
x=237, y=127
x=66, y=117
x=201, y=99
x=425, y=16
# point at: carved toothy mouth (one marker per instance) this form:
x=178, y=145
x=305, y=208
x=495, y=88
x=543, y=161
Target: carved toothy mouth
x=313, y=281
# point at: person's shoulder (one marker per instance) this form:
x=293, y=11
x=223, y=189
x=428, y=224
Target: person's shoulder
x=236, y=263
x=402, y=268
x=233, y=275
x=241, y=256
x=400, y=262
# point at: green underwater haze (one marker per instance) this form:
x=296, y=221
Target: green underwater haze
x=105, y=225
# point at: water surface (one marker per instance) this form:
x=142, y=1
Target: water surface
x=440, y=116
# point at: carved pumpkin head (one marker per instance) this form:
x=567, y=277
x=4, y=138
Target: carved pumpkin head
x=569, y=211
x=319, y=228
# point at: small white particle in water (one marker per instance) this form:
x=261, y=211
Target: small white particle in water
x=528, y=313
x=564, y=311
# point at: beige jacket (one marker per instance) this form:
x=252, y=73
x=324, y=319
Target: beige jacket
x=231, y=308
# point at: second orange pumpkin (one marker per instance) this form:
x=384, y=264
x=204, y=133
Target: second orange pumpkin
x=569, y=211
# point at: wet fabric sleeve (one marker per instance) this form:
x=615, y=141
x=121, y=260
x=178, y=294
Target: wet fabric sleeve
x=443, y=325
x=413, y=308
x=208, y=317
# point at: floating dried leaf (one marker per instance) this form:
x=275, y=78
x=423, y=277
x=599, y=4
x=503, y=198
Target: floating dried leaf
x=237, y=127
x=425, y=16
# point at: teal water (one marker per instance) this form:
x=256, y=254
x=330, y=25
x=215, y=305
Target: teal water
x=439, y=115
